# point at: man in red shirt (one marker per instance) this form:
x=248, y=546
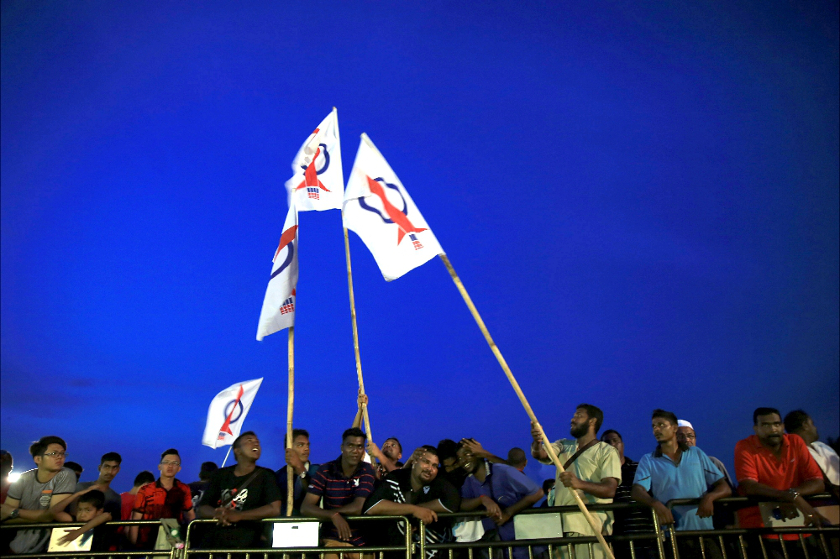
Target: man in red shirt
x=778, y=467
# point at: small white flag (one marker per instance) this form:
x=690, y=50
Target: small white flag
x=278, y=310
x=227, y=413
x=378, y=208
x=318, y=182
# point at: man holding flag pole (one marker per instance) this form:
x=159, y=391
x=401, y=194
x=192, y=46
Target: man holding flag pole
x=378, y=208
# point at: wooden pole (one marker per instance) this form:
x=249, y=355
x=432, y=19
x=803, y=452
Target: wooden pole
x=365, y=416
x=596, y=527
x=290, y=494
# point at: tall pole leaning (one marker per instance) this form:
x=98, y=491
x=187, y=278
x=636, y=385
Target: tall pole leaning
x=593, y=523
x=289, y=412
x=365, y=416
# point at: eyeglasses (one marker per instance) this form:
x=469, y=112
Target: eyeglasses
x=56, y=454
x=168, y=463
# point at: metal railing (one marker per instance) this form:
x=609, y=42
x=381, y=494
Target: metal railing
x=660, y=543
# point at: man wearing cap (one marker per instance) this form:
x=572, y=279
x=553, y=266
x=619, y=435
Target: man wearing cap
x=685, y=432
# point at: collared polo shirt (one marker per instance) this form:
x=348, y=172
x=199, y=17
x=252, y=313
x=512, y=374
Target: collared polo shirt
x=689, y=479
x=595, y=464
x=337, y=490
x=756, y=462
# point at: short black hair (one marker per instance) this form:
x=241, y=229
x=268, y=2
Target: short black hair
x=144, y=477
x=795, y=420
x=6, y=457
x=516, y=456
x=399, y=444
x=75, y=466
x=548, y=484
x=295, y=434
x=238, y=439
x=95, y=497
x=764, y=411
x=352, y=432
x=170, y=451
x=430, y=450
x=669, y=415
x=40, y=446
x=593, y=412
x=111, y=457
x=207, y=468
x=611, y=431
x=447, y=448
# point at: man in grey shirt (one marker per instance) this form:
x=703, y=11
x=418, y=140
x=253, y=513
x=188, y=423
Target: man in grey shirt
x=36, y=491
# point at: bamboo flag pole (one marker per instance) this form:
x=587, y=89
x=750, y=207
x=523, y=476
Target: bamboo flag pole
x=365, y=416
x=596, y=527
x=289, y=412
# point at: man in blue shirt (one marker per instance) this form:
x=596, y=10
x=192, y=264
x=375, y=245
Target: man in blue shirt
x=678, y=471
x=502, y=490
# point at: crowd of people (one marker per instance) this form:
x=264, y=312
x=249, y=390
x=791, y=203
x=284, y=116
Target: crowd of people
x=782, y=462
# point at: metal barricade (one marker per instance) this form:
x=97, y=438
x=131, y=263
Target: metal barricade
x=195, y=549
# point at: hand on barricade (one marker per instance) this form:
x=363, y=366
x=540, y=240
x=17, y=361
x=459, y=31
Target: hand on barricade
x=812, y=517
x=706, y=508
x=493, y=509
x=427, y=516
x=663, y=513
x=70, y=536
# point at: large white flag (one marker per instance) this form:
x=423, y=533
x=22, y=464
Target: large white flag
x=227, y=413
x=278, y=310
x=318, y=182
x=378, y=208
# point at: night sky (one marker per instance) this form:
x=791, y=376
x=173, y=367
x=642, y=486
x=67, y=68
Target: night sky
x=641, y=198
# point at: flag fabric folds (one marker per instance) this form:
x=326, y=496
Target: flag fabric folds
x=227, y=413
x=378, y=208
x=278, y=310
x=318, y=182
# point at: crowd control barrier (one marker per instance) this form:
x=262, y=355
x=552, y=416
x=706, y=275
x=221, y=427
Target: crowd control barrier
x=663, y=542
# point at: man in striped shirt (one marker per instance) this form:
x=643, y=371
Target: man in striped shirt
x=344, y=484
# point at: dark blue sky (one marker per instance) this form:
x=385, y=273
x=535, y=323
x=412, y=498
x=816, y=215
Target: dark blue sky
x=642, y=200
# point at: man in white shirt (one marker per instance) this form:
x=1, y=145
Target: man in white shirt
x=800, y=423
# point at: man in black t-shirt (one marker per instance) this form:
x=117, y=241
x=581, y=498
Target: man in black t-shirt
x=416, y=492
x=239, y=496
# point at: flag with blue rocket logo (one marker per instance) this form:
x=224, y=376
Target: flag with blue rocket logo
x=278, y=310
x=378, y=208
x=318, y=182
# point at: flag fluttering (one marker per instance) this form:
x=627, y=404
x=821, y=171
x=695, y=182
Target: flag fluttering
x=318, y=182
x=278, y=310
x=378, y=208
x=227, y=413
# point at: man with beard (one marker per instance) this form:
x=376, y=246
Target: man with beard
x=776, y=466
x=591, y=466
x=419, y=492
x=344, y=484
x=239, y=496
x=502, y=490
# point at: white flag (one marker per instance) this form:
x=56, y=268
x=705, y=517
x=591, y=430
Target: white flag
x=227, y=413
x=278, y=310
x=318, y=182
x=378, y=208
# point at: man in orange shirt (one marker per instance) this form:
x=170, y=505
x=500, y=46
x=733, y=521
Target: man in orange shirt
x=775, y=466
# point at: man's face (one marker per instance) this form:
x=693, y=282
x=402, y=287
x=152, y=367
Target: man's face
x=769, y=429
x=425, y=468
x=686, y=435
x=86, y=512
x=53, y=458
x=352, y=450
x=170, y=465
x=809, y=427
x=249, y=447
x=663, y=429
x=108, y=470
x=580, y=423
x=467, y=460
x=615, y=441
x=391, y=449
x=300, y=445
x=450, y=463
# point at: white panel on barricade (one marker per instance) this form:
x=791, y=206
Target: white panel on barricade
x=295, y=534
x=537, y=526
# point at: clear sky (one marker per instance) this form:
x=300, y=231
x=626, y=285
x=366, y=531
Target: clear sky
x=641, y=198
